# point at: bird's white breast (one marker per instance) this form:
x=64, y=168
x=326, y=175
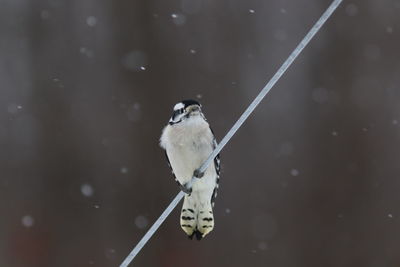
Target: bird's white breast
x=188, y=144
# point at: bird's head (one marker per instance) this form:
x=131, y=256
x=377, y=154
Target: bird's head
x=185, y=110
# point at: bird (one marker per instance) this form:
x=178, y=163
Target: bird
x=188, y=140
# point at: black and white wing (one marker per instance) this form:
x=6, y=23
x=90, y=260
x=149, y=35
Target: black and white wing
x=217, y=164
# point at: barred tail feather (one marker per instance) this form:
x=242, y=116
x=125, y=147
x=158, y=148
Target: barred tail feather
x=189, y=216
x=205, y=220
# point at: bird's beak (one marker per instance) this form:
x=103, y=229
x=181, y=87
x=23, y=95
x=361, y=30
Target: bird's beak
x=193, y=108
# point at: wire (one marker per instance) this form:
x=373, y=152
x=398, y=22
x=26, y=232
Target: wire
x=152, y=229
x=236, y=126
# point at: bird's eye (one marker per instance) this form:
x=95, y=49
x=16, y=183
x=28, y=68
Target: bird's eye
x=181, y=110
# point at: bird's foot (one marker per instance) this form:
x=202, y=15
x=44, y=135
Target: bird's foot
x=185, y=188
x=198, y=174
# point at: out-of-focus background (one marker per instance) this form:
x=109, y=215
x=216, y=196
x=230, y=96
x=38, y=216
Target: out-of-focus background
x=311, y=179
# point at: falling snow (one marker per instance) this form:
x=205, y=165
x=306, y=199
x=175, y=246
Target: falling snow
x=110, y=253
x=262, y=245
x=87, y=190
x=124, y=170
x=86, y=51
x=91, y=21
x=94, y=145
x=294, y=172
x=27, y=221
x=13, y=108
x=178, y=19
x=135, y=60
x=141, y=222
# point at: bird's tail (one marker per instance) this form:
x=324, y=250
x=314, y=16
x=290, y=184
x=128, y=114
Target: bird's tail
x=189, y=216
x=196, y=217
x=205, y=219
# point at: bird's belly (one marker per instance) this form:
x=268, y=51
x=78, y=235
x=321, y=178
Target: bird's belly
x=206, y=184
x=185, y=158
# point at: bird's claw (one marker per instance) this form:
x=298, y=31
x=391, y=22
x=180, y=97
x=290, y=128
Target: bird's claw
x=198, y=174
x=185, y=189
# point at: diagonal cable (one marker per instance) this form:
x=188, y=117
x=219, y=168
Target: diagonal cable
x=236, y=126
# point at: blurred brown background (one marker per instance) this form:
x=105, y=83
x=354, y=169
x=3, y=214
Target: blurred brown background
x=312, y=178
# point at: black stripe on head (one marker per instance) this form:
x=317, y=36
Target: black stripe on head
x=175, y=116
x=190, y=102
